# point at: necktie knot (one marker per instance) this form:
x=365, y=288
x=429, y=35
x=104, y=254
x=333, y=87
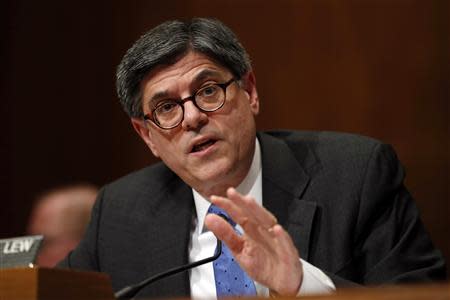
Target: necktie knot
x=218, y=211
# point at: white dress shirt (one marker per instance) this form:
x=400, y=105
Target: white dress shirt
x=203, y=244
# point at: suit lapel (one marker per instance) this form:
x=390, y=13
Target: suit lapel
x=284, y=182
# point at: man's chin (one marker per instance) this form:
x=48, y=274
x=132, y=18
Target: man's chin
x=212, y=182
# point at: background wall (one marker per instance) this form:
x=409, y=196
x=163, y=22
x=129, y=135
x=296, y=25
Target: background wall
x=374, y=67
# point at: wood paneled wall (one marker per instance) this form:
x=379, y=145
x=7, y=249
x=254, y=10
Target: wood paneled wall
x=374, y=67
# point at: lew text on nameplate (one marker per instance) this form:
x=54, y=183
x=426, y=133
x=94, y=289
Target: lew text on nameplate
x=19, y=251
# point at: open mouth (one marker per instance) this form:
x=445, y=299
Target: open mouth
x=202, y=146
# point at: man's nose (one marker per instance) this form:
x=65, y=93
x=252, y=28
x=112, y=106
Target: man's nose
x=193, y=117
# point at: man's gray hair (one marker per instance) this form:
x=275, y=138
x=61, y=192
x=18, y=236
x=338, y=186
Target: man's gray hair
x=169, y=42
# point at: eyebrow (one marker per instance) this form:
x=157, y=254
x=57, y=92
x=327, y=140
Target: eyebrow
x=157, y=96
x=201, y=76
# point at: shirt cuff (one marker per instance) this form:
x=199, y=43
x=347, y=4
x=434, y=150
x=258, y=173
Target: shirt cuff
x=315, y=281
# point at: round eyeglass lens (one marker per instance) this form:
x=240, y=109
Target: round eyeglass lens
x=210, y=98
x=168, y=114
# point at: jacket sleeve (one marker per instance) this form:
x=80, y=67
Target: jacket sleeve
x=391, y=244
x=85, y=255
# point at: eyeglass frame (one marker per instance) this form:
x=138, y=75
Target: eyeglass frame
x=180, y=102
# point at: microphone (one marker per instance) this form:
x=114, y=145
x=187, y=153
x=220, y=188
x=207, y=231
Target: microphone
x=131, y=290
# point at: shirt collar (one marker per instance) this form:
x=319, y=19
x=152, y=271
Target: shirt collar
x=251, y=185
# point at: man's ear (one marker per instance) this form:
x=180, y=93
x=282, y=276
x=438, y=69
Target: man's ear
x=249, y=85
x=145, y=134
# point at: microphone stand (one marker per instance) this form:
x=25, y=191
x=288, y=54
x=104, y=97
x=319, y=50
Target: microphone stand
x=132, y=290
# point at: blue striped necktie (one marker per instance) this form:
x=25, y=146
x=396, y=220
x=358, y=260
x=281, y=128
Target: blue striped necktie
x=230, y=279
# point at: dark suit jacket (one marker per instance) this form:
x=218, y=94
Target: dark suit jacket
x=340, y=197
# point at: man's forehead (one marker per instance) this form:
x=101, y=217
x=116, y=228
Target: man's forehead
x=193, y=65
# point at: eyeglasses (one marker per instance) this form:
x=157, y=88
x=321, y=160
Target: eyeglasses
x=169, y=114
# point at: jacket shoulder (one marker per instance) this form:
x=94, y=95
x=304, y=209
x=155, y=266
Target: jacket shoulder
x=327, y=145
x=153, y=179
x=326, y=139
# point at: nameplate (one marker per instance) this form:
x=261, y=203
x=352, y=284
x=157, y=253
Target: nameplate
x=19, y=251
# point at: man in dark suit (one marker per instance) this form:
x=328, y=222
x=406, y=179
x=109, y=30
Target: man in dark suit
x=313, y=210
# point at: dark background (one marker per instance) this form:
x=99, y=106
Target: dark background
x=374, y=67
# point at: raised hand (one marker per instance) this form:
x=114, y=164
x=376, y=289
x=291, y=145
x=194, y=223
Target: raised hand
x=265, y=251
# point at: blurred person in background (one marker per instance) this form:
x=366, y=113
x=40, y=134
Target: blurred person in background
x=61, y=216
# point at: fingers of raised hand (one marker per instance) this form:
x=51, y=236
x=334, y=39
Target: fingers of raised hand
x=262, y=216
x=257, y=222
x=244, y=210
